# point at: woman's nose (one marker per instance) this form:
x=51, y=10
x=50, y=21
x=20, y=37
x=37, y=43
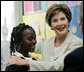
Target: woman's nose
x=59, y=22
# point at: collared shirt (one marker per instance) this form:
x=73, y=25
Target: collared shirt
x=20, y=55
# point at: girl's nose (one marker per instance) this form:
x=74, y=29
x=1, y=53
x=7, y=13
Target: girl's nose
x=34, y=41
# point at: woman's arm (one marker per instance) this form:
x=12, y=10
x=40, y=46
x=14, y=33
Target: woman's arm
x=17, y=61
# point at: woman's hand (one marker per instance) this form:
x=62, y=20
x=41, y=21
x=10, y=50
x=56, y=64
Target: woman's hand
x=14, y=60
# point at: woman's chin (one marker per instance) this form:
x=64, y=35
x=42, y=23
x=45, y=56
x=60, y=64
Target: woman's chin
x=62, y=32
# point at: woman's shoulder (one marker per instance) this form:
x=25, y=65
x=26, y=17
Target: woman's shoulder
x=75, y=38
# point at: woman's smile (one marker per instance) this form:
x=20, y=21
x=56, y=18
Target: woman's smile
x=61, y=28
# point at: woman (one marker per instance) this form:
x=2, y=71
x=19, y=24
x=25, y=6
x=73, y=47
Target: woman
x=23, y=40
x=54, y=50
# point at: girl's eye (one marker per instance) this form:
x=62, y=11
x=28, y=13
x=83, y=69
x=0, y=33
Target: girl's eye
x=30, y=39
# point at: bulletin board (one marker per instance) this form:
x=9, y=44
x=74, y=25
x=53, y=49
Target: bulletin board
x=36, y=19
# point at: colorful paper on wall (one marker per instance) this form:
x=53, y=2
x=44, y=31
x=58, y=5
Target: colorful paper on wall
x=45, y=30
x=44, y=5
x=27, y=6
x=74, y=27
x=37, y=5
x=62, y=2
x=52, y=2
x=71, y=3
x=32, y=18
x=49, y=33
x=35, y=26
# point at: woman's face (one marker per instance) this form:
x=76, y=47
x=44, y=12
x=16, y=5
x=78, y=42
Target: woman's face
x=60, y=24
x=29, y=40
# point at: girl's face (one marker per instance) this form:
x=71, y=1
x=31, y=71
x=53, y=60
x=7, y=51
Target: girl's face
x=60, y=24
x=29, y=40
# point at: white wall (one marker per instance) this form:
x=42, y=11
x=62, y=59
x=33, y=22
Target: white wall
x=8, y=11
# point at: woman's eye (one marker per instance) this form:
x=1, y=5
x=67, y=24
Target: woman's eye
x=62, y=18
x=54, y=20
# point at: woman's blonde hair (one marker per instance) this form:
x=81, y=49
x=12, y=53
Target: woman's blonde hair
x=55, y=9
